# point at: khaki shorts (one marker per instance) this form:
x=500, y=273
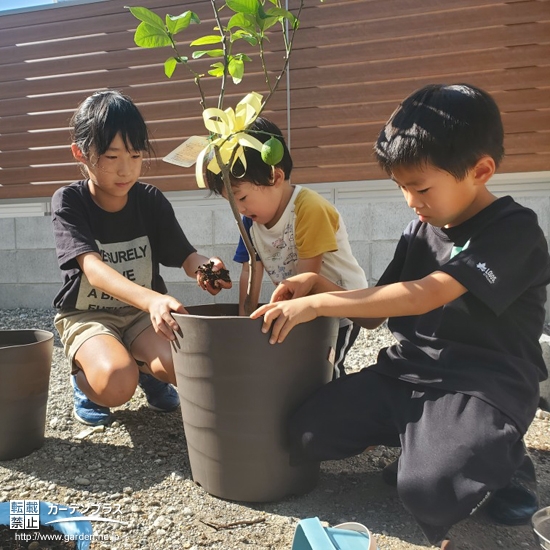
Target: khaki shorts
x=76, y=326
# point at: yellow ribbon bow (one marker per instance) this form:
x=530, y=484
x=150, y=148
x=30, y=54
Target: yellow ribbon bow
x=229, y=126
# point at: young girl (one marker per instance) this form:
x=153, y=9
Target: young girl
x=111, y=233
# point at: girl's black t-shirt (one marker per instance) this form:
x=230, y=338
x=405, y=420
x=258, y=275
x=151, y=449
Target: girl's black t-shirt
x=133, y=241
x=486, y=342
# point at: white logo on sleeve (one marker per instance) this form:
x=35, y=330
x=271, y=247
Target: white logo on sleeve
x=489, y=275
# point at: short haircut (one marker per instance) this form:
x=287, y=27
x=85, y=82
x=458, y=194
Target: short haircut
x=257, y=171
x=101, y=116
x=447, y=126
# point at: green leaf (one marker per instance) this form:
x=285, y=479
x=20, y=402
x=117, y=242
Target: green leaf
x=217, y=70
x=244, y=6
x=244, y=22
x=148, y=36
x=215, y=53
x=170, y=66
x=282, y=14
x=244, y=35
x=211, y=39
x=147, y=16
x=261, y=12
x=210, y=53
x=177, y=23
x=267, y=22
x=242, y=57
x=236, y=70
x=264, y=20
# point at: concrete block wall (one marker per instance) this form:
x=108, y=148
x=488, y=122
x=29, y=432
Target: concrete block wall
x=29, y=274
x=374, y=212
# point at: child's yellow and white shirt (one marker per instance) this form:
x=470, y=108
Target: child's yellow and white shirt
x=309, y=226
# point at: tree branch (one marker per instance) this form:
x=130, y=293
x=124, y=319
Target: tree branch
x=225, y=57
x=288, y=49
x=252, y=282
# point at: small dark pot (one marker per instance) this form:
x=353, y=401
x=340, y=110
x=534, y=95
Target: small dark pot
x=237, y=393
x=25, y=363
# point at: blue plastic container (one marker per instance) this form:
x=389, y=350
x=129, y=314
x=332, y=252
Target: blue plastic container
x=311, y=535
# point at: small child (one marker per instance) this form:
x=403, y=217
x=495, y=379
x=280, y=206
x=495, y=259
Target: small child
x=111, y=234
x=465, y=294
x=293, y=229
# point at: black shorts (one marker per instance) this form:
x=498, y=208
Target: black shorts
x=455, y=448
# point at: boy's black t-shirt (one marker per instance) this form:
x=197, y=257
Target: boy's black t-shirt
x=133, y=241
x=486, y=342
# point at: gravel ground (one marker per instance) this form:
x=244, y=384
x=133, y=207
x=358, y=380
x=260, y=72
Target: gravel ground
x=137, y=471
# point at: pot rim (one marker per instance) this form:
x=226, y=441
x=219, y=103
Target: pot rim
x=197, y=316
x=542, y=513
x=48, y=336
x=27, y=330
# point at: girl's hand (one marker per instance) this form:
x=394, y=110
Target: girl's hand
x=294, y=287
x=213, y=284
x=160, y=310
x=282, y=317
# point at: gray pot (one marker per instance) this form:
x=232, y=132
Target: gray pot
x=237, y=392
x=25, y=363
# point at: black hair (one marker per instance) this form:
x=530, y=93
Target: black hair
x=101, y=116
x=448, y=126
x=257, y=171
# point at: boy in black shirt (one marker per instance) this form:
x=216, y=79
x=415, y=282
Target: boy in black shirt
x=464, y=295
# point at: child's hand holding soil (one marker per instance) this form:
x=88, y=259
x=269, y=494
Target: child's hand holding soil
x=212, y=276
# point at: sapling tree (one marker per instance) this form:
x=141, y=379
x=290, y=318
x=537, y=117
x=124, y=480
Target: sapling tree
x=246, y=23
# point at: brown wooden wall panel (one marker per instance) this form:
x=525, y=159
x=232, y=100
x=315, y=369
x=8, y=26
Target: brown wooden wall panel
x=527, y=142
x=517, y=163
x=87, y=19
x=431, y=67
x=421, y=39
x=354, y=61
x=390, y=21
x=351, y=11
x=501, y=82
x=343, y=32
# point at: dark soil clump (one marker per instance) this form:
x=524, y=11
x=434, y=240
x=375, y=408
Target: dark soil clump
x=212, y=277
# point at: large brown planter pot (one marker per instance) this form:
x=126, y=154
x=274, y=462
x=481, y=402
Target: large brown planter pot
x=25, y=363
x=237, y=392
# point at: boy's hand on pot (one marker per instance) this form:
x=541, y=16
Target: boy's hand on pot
x=160, y=310
x=294, y=287
x=282, y=317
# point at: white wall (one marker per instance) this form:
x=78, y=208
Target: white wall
x=374, y=212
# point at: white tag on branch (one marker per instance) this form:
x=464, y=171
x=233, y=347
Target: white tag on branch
x=186, y=154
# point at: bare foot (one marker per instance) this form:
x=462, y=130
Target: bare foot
x=447, y=545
